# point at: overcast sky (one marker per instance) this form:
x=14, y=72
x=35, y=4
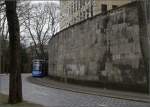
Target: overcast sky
x=27, y=41
x=40, y=1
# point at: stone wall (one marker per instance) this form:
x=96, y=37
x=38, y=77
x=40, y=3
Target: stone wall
x=105, y=48
x=0, y=56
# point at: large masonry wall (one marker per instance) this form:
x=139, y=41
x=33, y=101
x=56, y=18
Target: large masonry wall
x=105, y=49
x=0, y=57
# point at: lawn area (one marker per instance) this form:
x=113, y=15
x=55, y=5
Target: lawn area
x=4, y=103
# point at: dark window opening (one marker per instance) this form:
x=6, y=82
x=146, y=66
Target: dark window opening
x=83, y=14
x=91, y=10
x=114, y=6
x=104, y=8
x=87, y=13
x=80, y=15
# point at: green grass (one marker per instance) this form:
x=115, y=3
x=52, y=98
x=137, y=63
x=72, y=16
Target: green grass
x=4, y=103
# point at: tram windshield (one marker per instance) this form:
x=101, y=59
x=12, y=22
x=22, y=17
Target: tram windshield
x=36, y=66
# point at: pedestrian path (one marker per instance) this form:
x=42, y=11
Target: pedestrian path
x=46, y=81
x=4, y=103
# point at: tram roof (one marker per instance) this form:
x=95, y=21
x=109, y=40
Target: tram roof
x=38, y=60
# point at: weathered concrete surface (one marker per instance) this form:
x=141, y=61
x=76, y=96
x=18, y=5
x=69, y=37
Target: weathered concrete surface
x=105, y=48
x=144, y=25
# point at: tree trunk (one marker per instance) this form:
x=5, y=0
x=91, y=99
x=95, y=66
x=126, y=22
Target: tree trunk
x=15, y=83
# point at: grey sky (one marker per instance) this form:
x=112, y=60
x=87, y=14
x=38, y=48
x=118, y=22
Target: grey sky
x=40, y=1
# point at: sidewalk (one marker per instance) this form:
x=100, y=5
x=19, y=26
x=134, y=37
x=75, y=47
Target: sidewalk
x=46, y=81
x=4, y=98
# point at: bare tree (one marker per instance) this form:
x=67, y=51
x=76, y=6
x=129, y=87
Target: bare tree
x=3, y=21
x=37, y=24
x=41, y=23
x=2, y=5
x=22, y=7
x=15, y=84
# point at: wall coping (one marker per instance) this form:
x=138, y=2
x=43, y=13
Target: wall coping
x=94, y=17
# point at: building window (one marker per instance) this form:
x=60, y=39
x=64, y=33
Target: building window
x=77, y=4
x=104, y=8
x=87, y=1
x=114, y=6
x=69, y=11
x=87, y=13
x=74, y=20
x=80, y=15
x=83, y=14
x=80, y=4
x=91, y=10
x=83, y=2
x=74, y=6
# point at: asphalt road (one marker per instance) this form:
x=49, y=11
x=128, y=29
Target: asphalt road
x=51, y=97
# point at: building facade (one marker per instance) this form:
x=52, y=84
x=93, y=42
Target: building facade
x=73, y=11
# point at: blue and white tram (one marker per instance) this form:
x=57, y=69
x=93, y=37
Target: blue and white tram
x=39, y=68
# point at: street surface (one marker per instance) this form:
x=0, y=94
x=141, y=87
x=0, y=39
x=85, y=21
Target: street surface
x=51, y=97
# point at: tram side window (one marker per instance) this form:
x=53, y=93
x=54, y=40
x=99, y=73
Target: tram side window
x=35, y=66
x=40, y=67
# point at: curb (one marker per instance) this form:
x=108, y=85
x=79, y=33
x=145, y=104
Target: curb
x=102, y=92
